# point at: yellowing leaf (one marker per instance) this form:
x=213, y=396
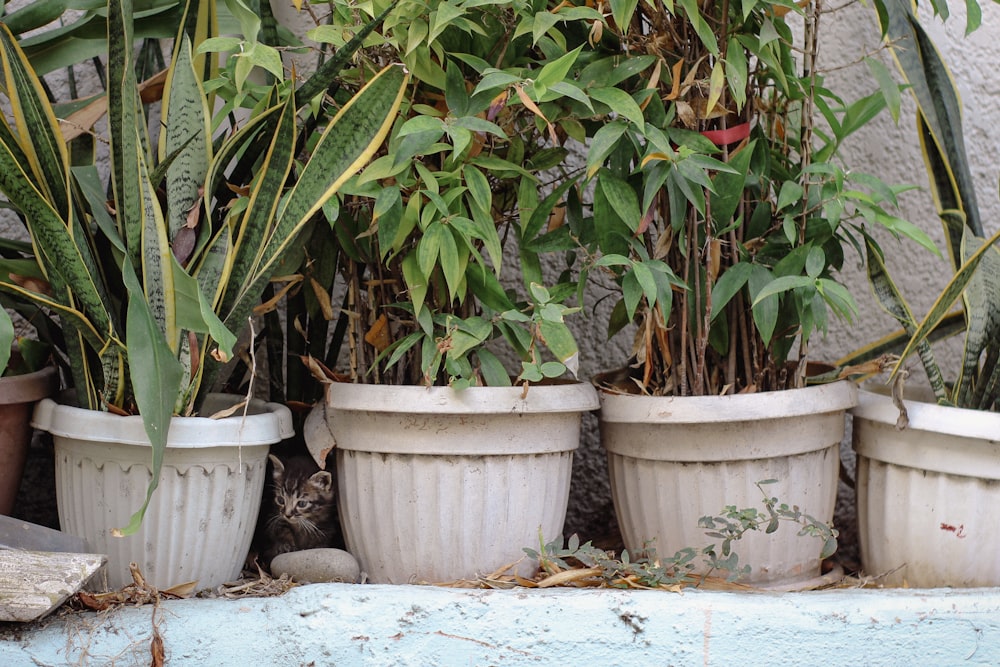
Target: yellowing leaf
x=717, y=83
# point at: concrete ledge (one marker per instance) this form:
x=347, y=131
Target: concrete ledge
x=339, y=624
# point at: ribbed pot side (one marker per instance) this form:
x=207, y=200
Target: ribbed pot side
x=927, y=494
x=438, y=485
x=673, y=460
x=201, y=518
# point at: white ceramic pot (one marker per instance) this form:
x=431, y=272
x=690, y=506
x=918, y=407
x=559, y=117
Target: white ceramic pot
x=928, y=494
x=673, y=460
x=202, y=515
x=438, y=485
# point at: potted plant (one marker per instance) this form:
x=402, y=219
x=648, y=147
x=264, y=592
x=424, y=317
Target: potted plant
x=454, y=433
x=149, y=291
x=28, y=376
x=927, y=474
x=721, y=217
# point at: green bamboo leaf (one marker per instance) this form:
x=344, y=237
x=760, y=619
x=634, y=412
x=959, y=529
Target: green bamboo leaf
x=728, y=187
x=556, y=70
x=728, y=285
x=248, y=19
x=791, y=193
x=479, y=187
x=622, y=11
x=701, y=27
x=620, y=102
x=559, y=340
x=622, y=199
x=631, y=293
x=416, y=282
x=765, y=313
x=782, y=285
x=603, y=142
x=737, y=72
x=486, y=288
x=452, y=265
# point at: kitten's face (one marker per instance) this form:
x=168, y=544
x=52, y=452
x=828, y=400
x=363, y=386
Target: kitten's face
x=300, y=494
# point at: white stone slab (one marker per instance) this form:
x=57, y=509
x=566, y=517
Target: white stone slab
x=33, y=583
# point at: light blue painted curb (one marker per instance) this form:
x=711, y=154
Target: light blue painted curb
x=341, y=624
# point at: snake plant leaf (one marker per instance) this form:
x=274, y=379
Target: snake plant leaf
x=36, y=123
x=157, y=266
x=156, y=375
x=125, y=124
x=940, y=111
x=951, y=292
x=891, y=300
x=195, y=311
x=186, y=132
x=6, y=338
x=86, y=36
x=982, y=309
x=349, y=141
x=326, y=74
x=254, y=228
x=53, y=241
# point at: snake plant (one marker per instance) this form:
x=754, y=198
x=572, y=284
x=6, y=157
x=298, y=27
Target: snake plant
x=152, y=284
x=975, y=257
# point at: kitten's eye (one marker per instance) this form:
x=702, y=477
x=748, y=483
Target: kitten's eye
x=279, y=501
x=302, y=504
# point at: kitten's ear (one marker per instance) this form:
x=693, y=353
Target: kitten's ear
x=322, y=480
x=279, y=467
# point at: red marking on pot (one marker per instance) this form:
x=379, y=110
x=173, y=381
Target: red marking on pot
x=958, y=530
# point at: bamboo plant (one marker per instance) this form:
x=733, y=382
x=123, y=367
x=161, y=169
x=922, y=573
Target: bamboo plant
x=152, y=285
x=723, y=213
x=472, y=180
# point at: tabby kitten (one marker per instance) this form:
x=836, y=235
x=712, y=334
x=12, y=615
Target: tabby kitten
x=303, y=509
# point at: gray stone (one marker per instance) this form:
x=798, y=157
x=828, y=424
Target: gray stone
x=33, y=583
x=317, y=566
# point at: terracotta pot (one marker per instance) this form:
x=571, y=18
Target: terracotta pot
x=18, y=395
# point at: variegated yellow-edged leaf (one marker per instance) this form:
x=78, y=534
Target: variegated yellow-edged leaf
x=952, y=291
x=349, y=141
x=41, y=139
x=186, y=132
x=982, y=311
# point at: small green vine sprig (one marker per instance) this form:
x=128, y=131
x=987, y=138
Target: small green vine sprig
x=647, y=570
